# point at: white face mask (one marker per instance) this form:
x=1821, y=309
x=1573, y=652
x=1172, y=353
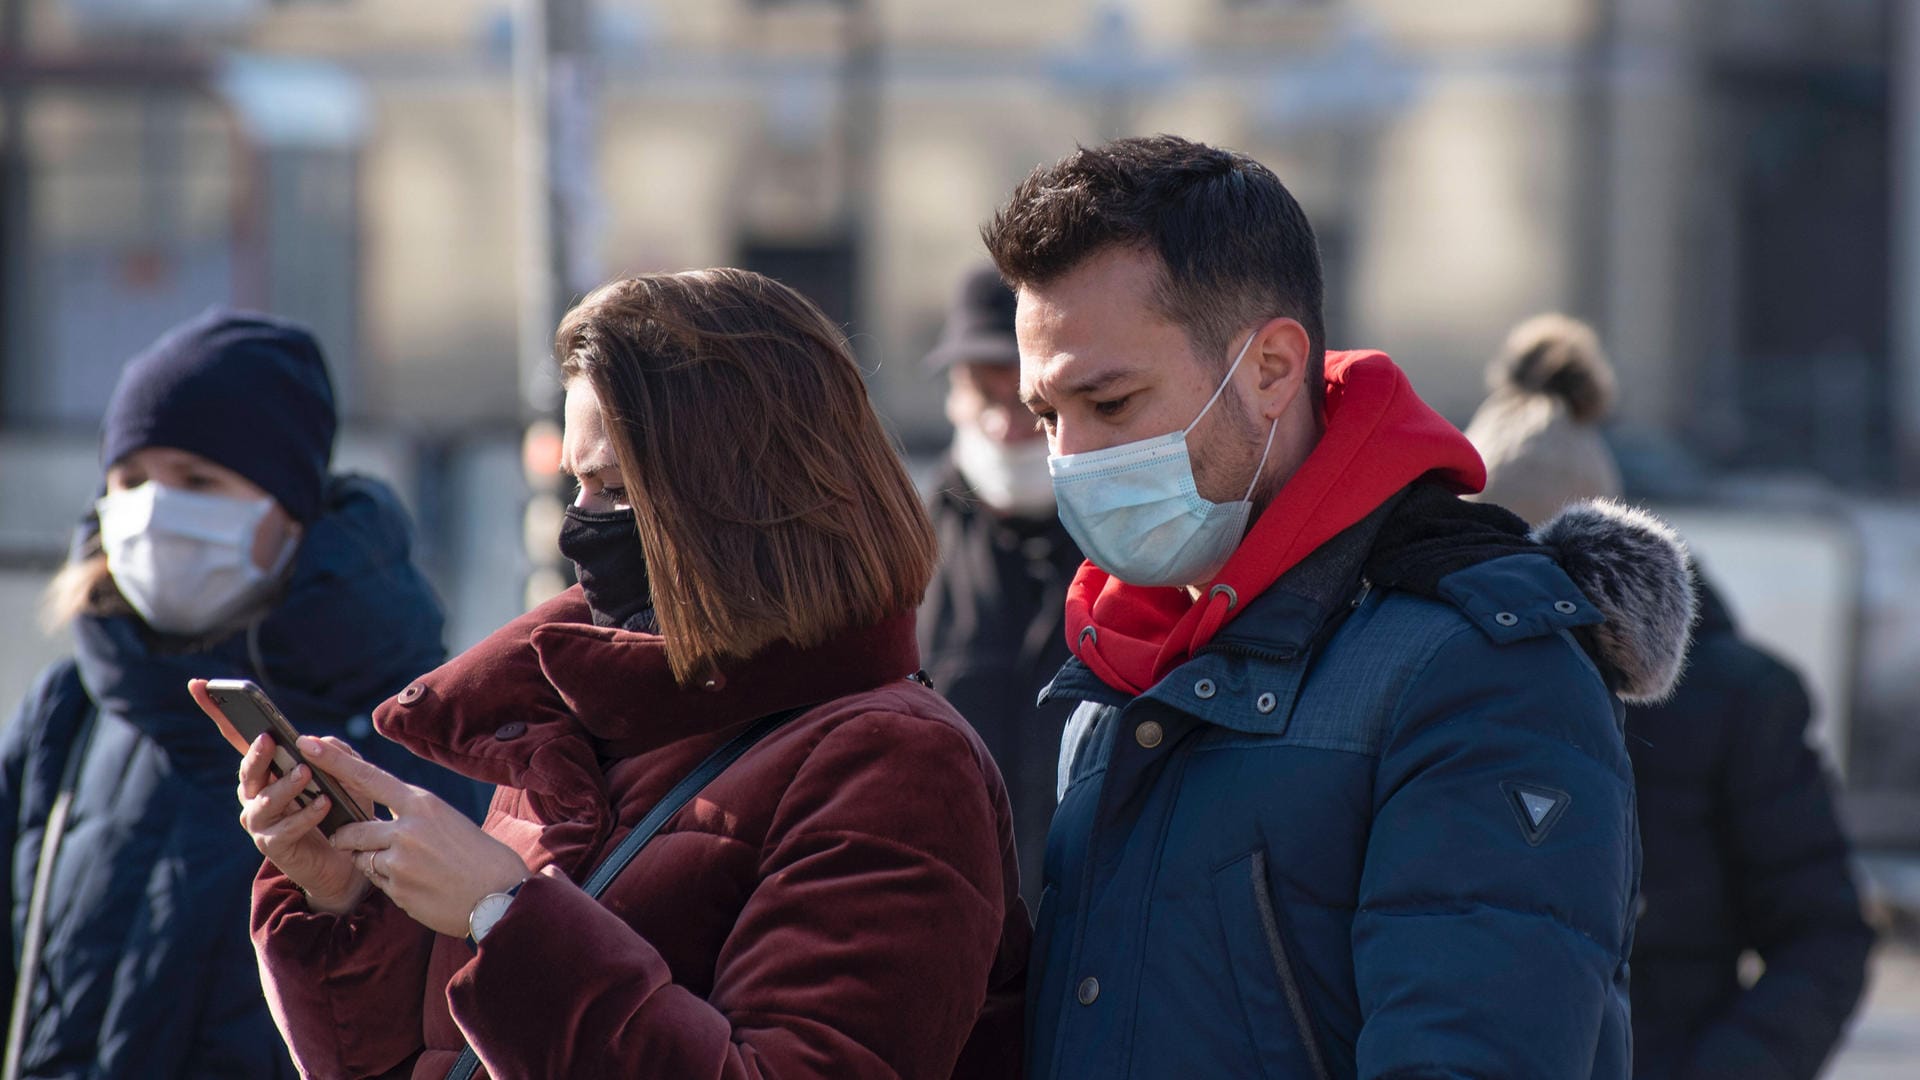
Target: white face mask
x=1009, y=477
x=184, y=559
x=1135, y=511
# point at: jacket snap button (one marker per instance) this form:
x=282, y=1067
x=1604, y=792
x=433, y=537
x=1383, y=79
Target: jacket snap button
x=1565, y=607
x=1089, y=990
x=1266, y=703
x=412, y=694
x=511, y=730
x=1203, y=689
x=1507, y=618
x=1149, y=734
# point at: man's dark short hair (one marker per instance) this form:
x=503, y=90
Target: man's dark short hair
x=1235, y=246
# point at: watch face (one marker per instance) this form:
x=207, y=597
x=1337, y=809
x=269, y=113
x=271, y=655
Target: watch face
x=487, y=912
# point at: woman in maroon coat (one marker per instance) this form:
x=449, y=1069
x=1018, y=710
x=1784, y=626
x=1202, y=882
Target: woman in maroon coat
x=842, y=902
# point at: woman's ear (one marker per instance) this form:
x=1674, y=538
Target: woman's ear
x=275, y=533
x=1279, y=356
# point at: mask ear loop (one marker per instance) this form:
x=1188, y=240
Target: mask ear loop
x=1226, y=379
x=1273, y=429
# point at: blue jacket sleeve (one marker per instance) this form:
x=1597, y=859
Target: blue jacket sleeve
x=13, y=767
x=56, y=700
x=1495, y=908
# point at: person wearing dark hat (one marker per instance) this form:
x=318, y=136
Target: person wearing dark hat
x=1743, y=848
x=991, y=627
x=222, y=547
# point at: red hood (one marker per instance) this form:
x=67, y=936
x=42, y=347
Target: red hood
x=1380, y=437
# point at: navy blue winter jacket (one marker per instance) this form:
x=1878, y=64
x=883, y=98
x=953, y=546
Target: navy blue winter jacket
x=147, y=970
x=1383, y=826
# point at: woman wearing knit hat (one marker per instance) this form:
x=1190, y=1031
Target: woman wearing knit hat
x=1539, y=431
x=221, y=547
x=1742, y=850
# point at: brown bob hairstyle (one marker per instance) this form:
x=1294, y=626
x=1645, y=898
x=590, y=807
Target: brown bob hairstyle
x=772, y=505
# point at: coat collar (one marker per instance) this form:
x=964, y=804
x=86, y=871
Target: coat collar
x=550, y=684
x=603, y=674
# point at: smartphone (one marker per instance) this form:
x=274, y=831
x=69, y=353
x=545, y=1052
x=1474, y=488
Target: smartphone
x=244, y=713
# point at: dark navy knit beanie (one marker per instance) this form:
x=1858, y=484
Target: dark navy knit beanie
x=245, y=390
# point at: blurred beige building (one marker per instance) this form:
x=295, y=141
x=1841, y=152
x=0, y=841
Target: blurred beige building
x=1730, y=189
x=1467, y=163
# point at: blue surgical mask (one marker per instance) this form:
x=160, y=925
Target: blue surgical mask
x=1135, y=511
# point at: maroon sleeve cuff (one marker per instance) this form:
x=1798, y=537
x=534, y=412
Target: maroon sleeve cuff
x=557, y=964
x=345, y=990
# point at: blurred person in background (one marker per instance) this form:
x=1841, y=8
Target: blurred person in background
x=222, y=548
x=992, y=627
x=842, y=901
x=1345, y=793
x=1743, y=850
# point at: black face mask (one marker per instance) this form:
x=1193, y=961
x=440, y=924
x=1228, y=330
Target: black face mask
x=606, y=555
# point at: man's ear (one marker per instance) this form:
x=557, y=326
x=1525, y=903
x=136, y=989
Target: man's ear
x=1279, y=359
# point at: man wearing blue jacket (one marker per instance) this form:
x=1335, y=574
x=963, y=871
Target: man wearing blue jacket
x=1345, y=793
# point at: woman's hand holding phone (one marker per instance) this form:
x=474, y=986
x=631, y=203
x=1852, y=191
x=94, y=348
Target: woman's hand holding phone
x=289, y=835
x=428, y=857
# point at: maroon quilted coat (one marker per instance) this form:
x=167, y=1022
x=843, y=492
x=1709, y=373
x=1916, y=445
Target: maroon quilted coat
x=843, y=902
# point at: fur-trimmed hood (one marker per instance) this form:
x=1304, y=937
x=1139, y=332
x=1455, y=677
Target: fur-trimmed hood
x=1637, y=571
x=1630, y=565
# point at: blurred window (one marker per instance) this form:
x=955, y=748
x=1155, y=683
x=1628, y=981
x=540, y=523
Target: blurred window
x=1809, y=223
x=131, y=201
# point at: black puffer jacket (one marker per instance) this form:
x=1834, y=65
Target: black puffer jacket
x=1742, y=852
x=991, y=637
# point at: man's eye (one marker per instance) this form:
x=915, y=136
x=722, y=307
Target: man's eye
x=1045, y=421
x=1112, y=408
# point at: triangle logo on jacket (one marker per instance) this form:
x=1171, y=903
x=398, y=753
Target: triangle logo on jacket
x=1538, y=808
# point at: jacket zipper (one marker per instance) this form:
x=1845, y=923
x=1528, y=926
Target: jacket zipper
x=1296, y=1002
x=1291, y=653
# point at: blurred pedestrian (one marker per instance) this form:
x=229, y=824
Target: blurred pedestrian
x=992, y=627
x=1344, y=797
x=222, y=548
x=1744, y=853
x=1539, y=429
x=842, y=901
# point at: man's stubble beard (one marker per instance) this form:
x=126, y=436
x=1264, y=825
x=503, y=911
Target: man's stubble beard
x=1224, y=464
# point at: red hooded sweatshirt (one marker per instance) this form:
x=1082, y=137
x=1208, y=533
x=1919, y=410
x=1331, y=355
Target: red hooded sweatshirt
x=1379, y=438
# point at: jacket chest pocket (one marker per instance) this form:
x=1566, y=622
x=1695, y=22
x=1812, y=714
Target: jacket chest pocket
x=1280, y=1022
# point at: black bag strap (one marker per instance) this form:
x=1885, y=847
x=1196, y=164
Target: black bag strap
x=669, y=804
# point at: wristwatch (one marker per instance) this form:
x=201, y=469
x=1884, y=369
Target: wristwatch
x=486, y=913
